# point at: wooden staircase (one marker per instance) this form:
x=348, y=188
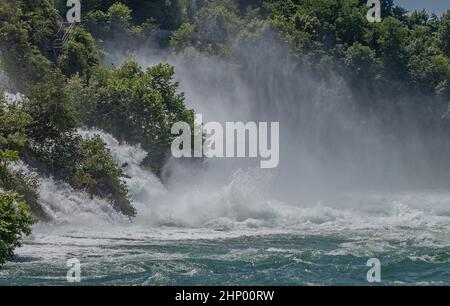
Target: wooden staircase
x=62, y=36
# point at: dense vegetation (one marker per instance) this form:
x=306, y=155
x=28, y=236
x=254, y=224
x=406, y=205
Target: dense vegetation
x=15, y=222
x=66, y=90
x=403, y=54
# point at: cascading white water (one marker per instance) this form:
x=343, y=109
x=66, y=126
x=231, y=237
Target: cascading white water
x=233, y=223
x=325, y=147
x=240, y=204
x=235, y=194
x=142, y=183
x=194, y=227
x=66, y=206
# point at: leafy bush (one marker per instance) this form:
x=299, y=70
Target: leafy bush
x=53, y=147
x=27, y=29
x=97, y=173
x=85, y=164
x=182, y=37
x=25, y=185
x=136, y=106
x=79, y=54
x=216, y=26
x=106, y=25
x=13, y=123
x=51, y=113
x=444, y=33
x=15, y=223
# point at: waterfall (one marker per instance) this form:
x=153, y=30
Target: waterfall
x=64, y=205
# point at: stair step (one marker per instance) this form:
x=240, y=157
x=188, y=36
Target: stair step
x=63, y=34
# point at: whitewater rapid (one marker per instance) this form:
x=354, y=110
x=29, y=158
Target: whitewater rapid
x=221, y=223
x=202, y=233
x=238, y=207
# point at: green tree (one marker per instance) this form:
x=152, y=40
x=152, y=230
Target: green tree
x=361, y=61
x=119, y=17
x=97, y=173
x=168, y=14
x=138, y=106
x=216, y=26
x=27, y=29
x=56, y=149
x=182, y=38
x=15, y=223
x=418, y=18
x=350, y=22
x=444, y=33
x=15, y=220
x=80, y=54
x=49, y=107
x=390, y=39
x=13, y=124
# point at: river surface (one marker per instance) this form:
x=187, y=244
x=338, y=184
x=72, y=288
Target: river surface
x=232, y=233
x=318, y=245
x=309, y=222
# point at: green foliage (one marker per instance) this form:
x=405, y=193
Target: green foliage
x=213, y=30
x=79, y=54
x=403, y=53
x=48, y=105
x=27, y=28
x=86, y=164
x=350, y=22
x=385, y=57
x=216, y=26
x=26, y=186
x=168, y=14
x=361, y=61
x=114, y=25
x=54, y=148
x=119, y=17
x=135, y=106
x=83, y=95
x=96, y=22
x=111, y=23
x=433, y=73
x=391, y=39
x=15, y=223
x=181, y=38
x=444, y=33
x=418, y=18
x=13, y=123
x=97, y=173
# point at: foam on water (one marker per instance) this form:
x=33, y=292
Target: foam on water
x=182, y=232
x=240, y=207
x=231, y=199
x=67, y=206
x=233, y=223
x=142, y=183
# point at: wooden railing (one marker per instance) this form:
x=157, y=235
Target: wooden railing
x=63, y=35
